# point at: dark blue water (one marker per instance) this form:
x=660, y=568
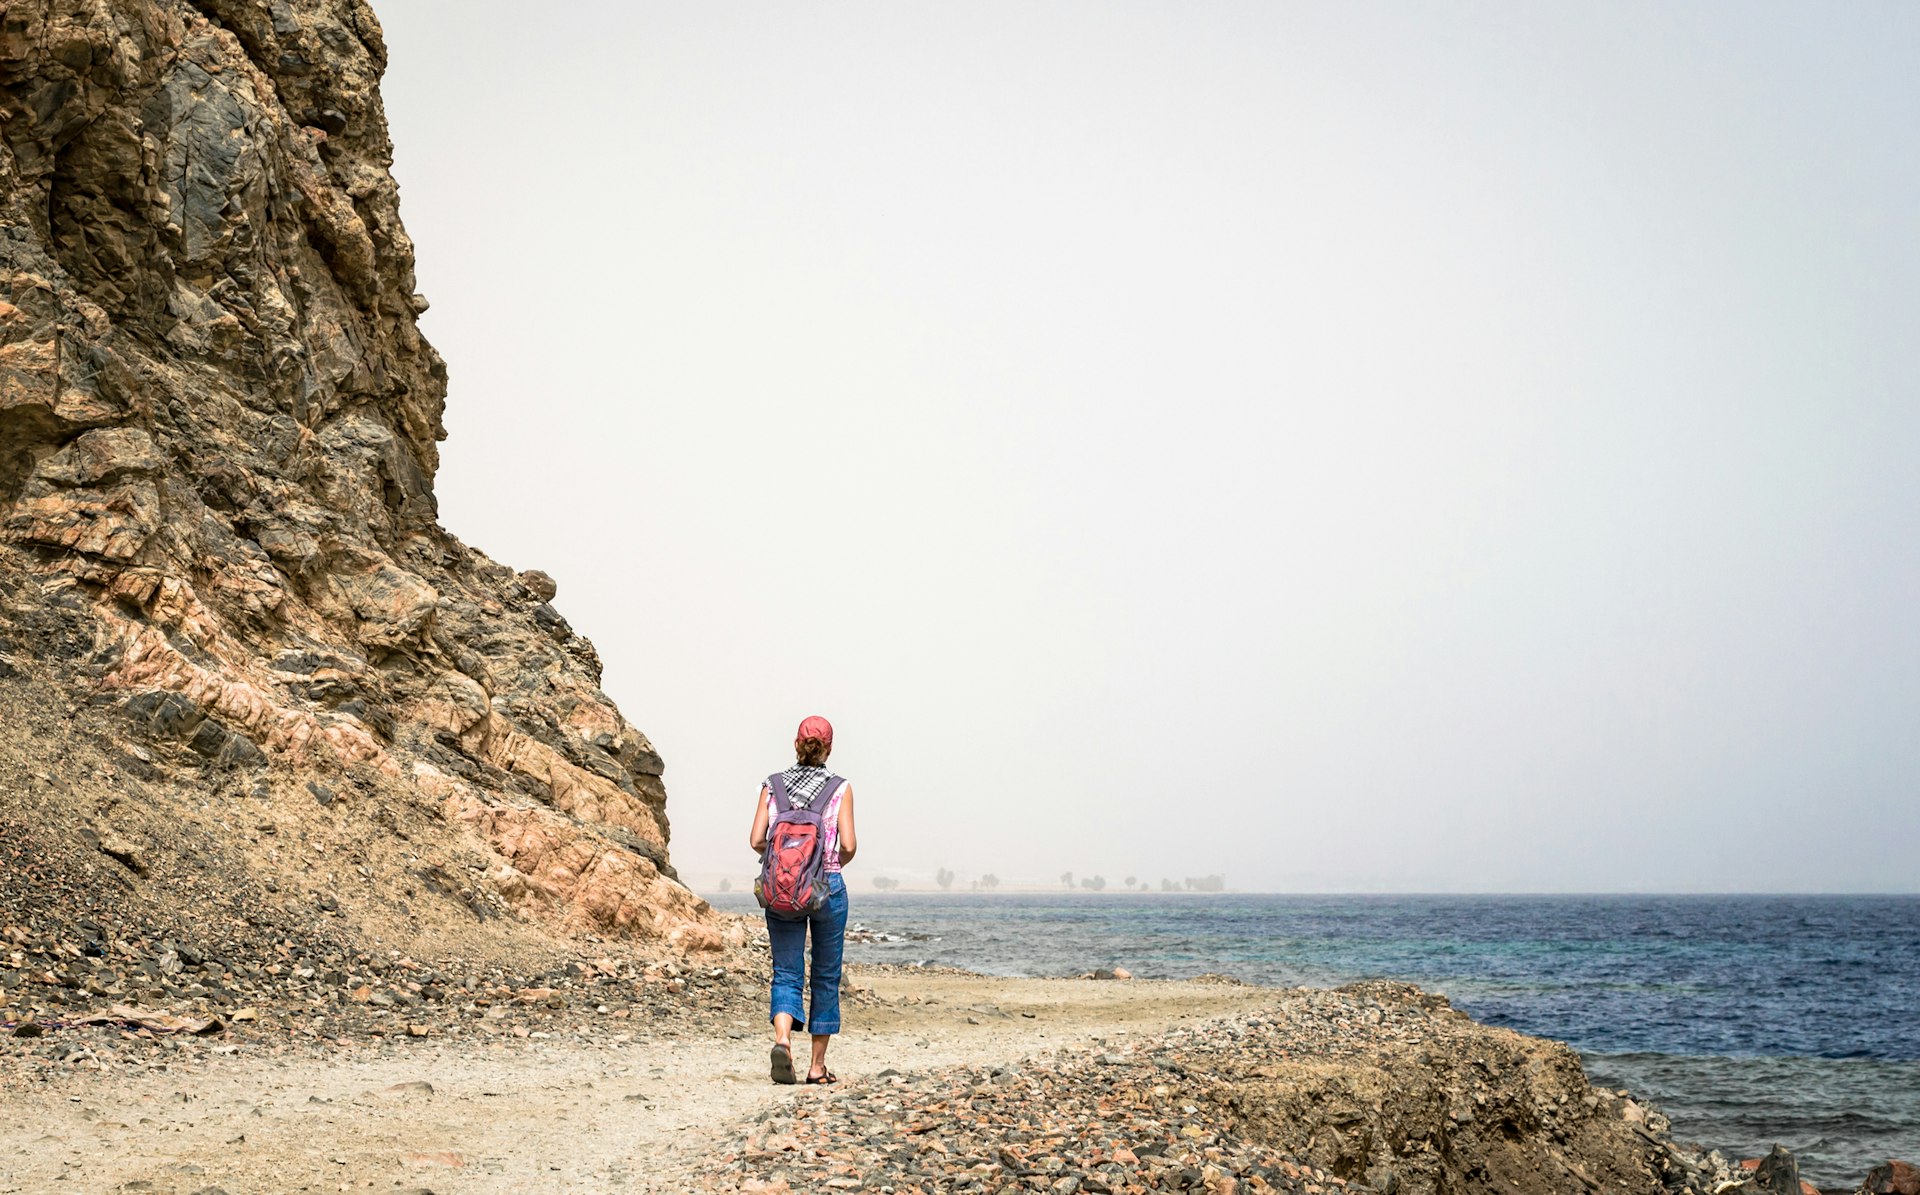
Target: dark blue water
x=1749, y=1019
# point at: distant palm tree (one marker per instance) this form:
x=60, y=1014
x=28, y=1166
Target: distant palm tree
x=1066, y=877
x=944, y=878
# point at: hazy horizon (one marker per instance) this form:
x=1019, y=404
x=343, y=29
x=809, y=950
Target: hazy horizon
x=1447, y=449
x=861, y=885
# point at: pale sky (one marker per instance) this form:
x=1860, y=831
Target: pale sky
x=1343, y=447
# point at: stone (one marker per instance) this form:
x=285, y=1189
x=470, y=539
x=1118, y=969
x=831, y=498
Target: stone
x=240, y=752
x=124, y=853
x=1778, y=1173
x=540, y=585
x=1892, y=1178
x=164, y=715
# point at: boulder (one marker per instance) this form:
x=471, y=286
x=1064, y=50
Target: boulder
x=540, y=585
x=1776, y=1174
x=1892, y=1178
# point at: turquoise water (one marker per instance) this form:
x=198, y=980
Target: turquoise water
x=1750, y=1020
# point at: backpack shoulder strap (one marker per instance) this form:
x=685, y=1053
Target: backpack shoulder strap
x=831, y=790
x=782, y=802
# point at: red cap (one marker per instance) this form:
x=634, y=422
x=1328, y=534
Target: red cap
x=816, y=727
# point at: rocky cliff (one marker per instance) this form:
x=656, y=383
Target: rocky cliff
x=241, y=664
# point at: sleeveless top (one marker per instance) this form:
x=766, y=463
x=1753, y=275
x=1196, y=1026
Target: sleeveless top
x=803, y=782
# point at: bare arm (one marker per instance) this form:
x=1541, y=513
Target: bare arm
x=757, y=837
x=847, y=842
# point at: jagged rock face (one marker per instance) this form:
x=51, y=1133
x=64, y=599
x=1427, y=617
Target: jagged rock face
x=218, y=435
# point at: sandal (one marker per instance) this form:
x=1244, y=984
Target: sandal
x=782, y=1064
x=824, y=1077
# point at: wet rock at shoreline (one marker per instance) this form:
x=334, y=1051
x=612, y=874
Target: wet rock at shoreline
x=1892, y=1178
x=1776, y=1174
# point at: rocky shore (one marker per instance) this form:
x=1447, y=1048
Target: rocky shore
x=1371, y=1088
x=596, y=1075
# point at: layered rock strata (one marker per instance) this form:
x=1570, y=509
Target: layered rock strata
x=218, y=439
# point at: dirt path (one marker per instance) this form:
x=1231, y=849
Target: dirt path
x=563, y=1114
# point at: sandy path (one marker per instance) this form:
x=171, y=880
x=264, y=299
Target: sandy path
x=564, y=1114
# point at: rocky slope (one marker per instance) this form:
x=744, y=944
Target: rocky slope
x=242, y=668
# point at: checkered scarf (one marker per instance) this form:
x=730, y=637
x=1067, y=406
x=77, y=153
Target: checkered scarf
x=804, y=783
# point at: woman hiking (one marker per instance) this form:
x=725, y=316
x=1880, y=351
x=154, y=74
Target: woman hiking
x=810, y=811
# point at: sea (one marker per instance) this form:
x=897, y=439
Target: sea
x=1748, y=1020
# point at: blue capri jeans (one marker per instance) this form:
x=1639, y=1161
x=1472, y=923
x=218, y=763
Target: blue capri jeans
x=790, y=972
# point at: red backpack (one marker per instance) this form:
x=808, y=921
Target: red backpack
x=793, y=878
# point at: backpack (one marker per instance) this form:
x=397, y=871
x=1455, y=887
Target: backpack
x=793, y=881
